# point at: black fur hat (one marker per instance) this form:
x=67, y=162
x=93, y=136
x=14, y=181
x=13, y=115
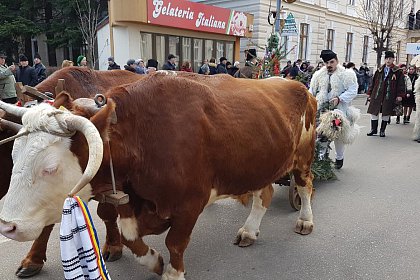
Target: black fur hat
x=251, y=54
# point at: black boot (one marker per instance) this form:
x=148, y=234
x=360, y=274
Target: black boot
x=398, y=120
x=383, y=127
x=408, y=119
x=373, y=128
x=405, y=120
x=339, y=163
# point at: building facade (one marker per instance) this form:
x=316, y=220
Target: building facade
x=153, y=29
x=321, y=24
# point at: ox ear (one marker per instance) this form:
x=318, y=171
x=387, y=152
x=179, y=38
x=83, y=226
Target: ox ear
x=63, y=99
x=103, y=119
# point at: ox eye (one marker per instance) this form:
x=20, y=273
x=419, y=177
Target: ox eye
x=50, y=170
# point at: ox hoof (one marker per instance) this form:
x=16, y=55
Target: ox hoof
x=111, y=253
x=26, y=272
x=304, y=227
x=244, y=238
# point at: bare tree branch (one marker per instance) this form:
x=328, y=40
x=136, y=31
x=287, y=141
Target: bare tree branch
x=88, y=13
x=382, y=18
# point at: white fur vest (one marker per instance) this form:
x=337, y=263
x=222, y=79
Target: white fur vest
x=343, y=84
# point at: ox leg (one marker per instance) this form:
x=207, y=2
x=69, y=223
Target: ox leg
x=34, y=260
x=112, y=249
x=304, y=224
x=177, y=241
x=261, y=201
x=131, y=238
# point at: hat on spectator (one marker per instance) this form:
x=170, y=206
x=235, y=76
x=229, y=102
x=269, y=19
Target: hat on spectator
x=3, y=55
x=170, y=56
x=138, y=61
x=111, y=58
x=23, y=57
x=37, y=56
x=152, y=63
x=251, y=54
x=389, y=54
x=236, y=64
x=130, y=61
x=222, y=59
x=79, y=59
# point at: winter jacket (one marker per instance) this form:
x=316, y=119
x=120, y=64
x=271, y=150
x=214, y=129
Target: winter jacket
x=27, y=76
x=383, y=91
x=7, y=83
x=40, y=72
x=213, y=68
x=114, y=66
x=343, y=84
x=221, y=69
x=169, y=66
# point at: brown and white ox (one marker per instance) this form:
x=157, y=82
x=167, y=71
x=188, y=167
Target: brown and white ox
x=178, y=145
x=79, y=82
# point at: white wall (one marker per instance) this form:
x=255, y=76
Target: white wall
x=104, y=47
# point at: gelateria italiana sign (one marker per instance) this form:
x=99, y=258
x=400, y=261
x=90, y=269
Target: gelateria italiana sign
x=195, y=16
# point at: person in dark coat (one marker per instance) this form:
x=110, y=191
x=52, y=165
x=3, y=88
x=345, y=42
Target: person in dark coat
x=234, y=68
x=170, y=64
x=39, y=69
x=387, y=88
x=25, y=73
x=130, y=65
x=212, y=66
x=251, y=69
x=221, y=67
x=112, y=65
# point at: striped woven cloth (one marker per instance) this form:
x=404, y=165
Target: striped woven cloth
x=80, y=251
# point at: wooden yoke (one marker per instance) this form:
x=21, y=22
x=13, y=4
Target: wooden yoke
x=34, y=93
x=23, y=98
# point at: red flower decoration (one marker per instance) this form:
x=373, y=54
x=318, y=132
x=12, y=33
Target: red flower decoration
x=337, y=122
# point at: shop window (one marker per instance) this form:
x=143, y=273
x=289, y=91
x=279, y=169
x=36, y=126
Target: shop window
x=161, y=56
x=146, y=46
x=229, y=51
x=220, y=50
x=186, y=50
x=208, y=49
x=198, y=54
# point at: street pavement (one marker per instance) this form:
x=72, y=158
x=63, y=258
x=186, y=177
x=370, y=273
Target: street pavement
x=366, y=226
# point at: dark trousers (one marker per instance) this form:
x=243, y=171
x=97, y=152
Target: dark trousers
x=11, y=100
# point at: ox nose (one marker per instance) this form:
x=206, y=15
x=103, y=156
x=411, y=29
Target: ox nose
x=7, y=229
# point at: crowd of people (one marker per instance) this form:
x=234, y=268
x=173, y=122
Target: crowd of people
x=390, y=90
x=208, y=67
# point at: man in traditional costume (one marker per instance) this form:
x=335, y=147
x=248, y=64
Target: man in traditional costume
x=334, y=88
x=251, y=69
x=387, y=88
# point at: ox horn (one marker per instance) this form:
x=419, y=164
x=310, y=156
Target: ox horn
x=83, y=125
x=12, y=109
x=5, y=124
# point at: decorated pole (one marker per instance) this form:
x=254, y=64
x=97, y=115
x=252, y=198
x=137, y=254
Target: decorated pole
x=277, y=25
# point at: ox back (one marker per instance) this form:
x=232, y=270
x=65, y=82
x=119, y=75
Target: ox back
x=178, y=133
x=84, y=82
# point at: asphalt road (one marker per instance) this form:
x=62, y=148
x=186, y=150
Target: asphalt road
x=366, y=226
